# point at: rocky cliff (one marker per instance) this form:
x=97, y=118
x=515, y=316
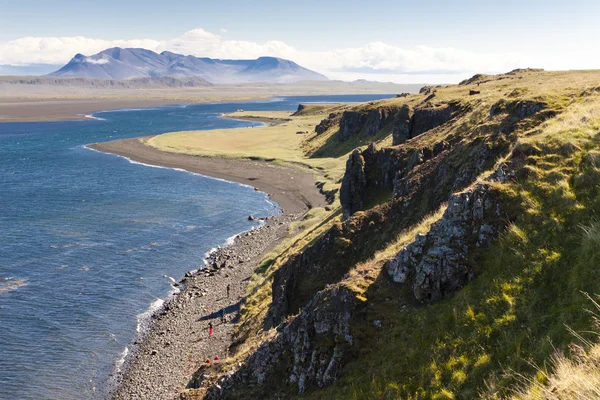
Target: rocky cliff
x=368, y=287
x=308, y=352
x=436, y=264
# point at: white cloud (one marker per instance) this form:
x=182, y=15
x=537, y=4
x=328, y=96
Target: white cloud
x=374, y=61
x=223, y=30
x=99, y=61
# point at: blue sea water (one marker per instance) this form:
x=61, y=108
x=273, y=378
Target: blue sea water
x=88, y=240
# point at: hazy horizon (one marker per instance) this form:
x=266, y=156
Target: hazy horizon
x=396, y=41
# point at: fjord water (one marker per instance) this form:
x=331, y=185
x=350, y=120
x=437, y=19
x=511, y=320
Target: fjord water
x=88, y=240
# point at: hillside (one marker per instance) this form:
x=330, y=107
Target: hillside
x=118, y=64
x=455, y=263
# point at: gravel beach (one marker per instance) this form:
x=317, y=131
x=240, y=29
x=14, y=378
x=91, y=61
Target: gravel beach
x=161, y=363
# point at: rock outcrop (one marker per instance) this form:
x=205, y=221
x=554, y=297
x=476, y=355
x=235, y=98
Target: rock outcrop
x=351, y=124
x=436, y=264
x=354, y=183
x=369, y=123
x=332, y=120
x=376, y=121
x=299, y=110
x=380, y=170
x=516, y=109
x=309, y=351
x=409, y=123
x=425, y=119
x=401, y=128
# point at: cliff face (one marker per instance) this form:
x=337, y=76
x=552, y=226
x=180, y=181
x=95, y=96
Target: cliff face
x=420, y=179
x=436, y=264
x=442, y=153
x=308, y=352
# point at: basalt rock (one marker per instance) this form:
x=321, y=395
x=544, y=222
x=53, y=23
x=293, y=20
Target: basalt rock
x=351, y=124
x=425, y=119
x=379, y=170
x=437, y=264
x=516, y=109
x=354, y=183
x=408, y=123
x=301, y=107
x=308, y=352
x=332, y=120
x=401, y=128
x=376, y=121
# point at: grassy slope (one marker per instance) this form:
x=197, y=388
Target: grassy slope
x=482, y=341
x=514, y=315
x=280, y=143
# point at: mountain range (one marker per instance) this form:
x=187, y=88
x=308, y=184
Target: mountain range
x=118, y=63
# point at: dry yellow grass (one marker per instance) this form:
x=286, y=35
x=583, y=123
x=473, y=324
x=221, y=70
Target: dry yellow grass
x=280, y=143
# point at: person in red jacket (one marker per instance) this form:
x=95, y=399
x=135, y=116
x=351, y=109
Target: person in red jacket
x=210, y=329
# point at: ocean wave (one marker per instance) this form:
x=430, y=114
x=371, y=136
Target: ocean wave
x=206, y=255
x=91, y=116
x=144, y=318
x=119, y=363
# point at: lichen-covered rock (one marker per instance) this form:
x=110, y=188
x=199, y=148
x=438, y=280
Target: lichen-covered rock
x=332, y=120
x=309, y=351
x=354, y=183
x=401, y=128
x=436, y=264
x=351, y=124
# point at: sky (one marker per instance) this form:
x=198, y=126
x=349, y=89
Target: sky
x=413, y=41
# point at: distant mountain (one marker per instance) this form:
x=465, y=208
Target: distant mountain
x=118, y=63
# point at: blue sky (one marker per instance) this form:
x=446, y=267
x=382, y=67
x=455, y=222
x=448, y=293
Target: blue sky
x=382, y=40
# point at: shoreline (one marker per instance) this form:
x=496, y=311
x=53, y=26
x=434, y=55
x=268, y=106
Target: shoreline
x=176, y=343
x=293, y=189
x=263, y=120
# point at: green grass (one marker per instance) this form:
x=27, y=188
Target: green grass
x=502, y=329
x=492, y=333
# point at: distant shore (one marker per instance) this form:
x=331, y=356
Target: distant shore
x=15, y=110
x=48, y=101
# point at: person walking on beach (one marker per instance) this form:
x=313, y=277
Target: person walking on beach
x=210, y=329
x=222, y=315
x=228, y=289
